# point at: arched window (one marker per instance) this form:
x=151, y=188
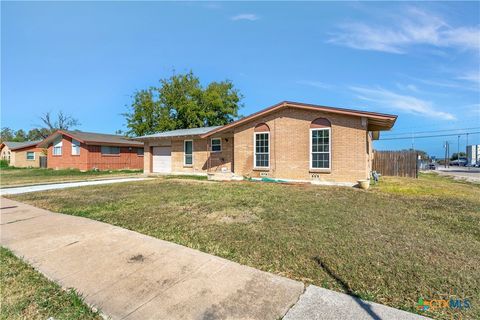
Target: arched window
x=320, y=144
x=262, y=146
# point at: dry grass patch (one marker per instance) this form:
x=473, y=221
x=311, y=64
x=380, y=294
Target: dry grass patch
x=234, y=216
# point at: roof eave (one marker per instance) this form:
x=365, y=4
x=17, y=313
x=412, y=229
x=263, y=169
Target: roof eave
x=25, y=147
x=387, y=118
x=170, y=137
x=115, y=144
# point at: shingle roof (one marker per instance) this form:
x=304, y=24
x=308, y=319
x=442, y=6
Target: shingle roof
x=181, y=132
x=92, y=138
x=12, y=145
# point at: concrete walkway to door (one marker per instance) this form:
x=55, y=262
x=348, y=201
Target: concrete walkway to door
x=128, y=275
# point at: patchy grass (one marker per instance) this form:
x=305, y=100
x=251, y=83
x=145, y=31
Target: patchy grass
x=399, y=241
x=26, y=294
x=25, y=176
x=429, y=184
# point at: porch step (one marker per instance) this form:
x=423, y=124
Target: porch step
x=223, y=176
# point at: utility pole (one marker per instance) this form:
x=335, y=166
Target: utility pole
x=413, y=140
x=466, y=152
x=458, y=151
x=446, y=153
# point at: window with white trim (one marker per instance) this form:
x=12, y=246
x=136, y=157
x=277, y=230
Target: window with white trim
x=320, y=148
x=30, y=155
x=262, y=150
x=57, y=147
x=188, y=151
x=110, y=150
x=216, y=145
x=75, y=147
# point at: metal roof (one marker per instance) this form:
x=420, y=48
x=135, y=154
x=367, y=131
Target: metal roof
x=19, y=145
x=180, y=132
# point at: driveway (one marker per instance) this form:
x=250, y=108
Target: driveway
x=128, y=275
x=62, y=185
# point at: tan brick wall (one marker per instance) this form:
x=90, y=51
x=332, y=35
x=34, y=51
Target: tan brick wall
x=147, y=157
x=290, y=143
x=201, y=160
x=19, y=158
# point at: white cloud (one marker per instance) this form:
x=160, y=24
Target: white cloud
x=401, y=102
x=245, y=16
x=408, y=87
x=315, y=84
x=465, y=81
x=473, y=77
x=416, y=27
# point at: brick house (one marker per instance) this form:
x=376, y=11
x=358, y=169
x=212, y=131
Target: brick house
x=289, y=141
x=21, y=154
x=87, y=151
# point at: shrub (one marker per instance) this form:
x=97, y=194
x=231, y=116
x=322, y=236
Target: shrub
x=3, y=163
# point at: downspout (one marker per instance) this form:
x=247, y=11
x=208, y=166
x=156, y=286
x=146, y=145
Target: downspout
x=275, y=146
x=209, y=155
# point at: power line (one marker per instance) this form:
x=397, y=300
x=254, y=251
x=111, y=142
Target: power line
x=432, y=136
x=430, y=131
x=473, y=121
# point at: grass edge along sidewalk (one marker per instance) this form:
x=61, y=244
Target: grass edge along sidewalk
x=27, y=294
x=19, y=177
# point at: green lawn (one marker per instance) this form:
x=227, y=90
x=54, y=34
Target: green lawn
x=26, y=294
x=10, y=177
x=399, y=241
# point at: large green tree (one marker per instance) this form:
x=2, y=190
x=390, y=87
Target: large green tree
x=181, y=102
x=7, y=134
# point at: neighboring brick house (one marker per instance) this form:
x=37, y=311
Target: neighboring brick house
x=88, y=151
x=21, y=154
x=289, y=141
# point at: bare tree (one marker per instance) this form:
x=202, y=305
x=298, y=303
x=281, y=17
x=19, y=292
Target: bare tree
x=62, y=121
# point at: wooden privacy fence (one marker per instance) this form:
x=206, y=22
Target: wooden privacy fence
x=396, y=163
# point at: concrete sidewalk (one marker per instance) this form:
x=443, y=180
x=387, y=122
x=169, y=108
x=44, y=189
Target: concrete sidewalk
x=319, y=303
x=128, y=275
x=63, y=185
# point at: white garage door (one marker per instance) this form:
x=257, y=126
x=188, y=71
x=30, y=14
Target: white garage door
x=162, y=159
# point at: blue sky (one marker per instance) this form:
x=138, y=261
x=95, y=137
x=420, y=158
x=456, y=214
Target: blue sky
x=418, y=60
